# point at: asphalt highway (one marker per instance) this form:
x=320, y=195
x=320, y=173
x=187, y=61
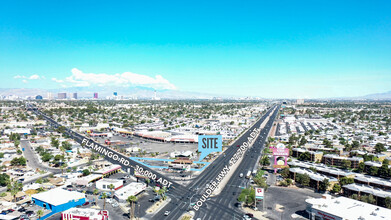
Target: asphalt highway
x=228, y=196
x=215, y=208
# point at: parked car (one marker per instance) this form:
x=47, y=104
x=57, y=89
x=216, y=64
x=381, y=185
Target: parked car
x=166, y=213
x=250, y=215
x=24, y=217
x=29, y=213
x=86, y=203
x=23, y=209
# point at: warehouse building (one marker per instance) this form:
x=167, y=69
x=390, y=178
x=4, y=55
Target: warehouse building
x=104, y=184
x=133, y=189
x=340, y=208
x=58, y=200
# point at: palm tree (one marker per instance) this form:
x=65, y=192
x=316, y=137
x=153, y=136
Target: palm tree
x=62, y=159
x=104, y=196
x=112, y=187
x=14, y=187
x=148, y=181
x=162, y=192
x=131, y=200
x=40, y=213
x=96, y=192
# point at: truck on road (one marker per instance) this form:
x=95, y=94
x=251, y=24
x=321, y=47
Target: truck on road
x=248, y=174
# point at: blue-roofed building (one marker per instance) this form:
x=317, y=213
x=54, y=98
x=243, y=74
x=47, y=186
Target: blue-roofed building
x=58, y=200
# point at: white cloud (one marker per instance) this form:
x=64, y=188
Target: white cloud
x=19, y=77
x=57, y=80
x=24, y=81
x=35, y=76
x=80, y=79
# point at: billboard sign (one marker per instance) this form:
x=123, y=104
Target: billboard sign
x=259, y=193
x=281, y=151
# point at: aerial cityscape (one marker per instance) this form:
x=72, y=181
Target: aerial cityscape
x=195, y=110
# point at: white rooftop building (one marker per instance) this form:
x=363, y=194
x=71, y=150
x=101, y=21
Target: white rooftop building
x=340, y=208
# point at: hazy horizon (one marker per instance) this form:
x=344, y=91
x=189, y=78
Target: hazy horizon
x=259, y=49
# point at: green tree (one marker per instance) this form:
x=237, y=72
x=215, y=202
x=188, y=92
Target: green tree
x=147, y=181
x=336, y=188
x=355, y=145
x=303, y=179
x=306, y=156
x=324, y=185
x=96, y=192
x=131, y=200
x=265, y=161
x=66, y=145
x=379, y=147
x=54, y=142
x=285, y=172
x=86, y=172
x=104, y=196
x=373, y=171
x=346, y=164
x=14, y=187
x=18, y=161
x=361, y=167
x=247, y=196
x=345, y=181
x=112, y=187
x=4, y=179
x=40, y=213
x=387, y=202
x=384, y=170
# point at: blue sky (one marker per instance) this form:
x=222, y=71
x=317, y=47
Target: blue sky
x=288, y=49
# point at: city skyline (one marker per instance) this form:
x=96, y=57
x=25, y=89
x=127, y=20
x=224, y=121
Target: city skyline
x=270, y=50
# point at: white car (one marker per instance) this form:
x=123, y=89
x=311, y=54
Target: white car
x=167, y=213
x=241, y=175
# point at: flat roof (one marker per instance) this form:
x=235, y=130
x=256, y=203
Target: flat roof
x=108, y=169
x=368, y=189
x=130, y=190
x=58, y=196
x=347, y=208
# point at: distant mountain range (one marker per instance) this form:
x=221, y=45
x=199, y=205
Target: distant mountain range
x=378, y=96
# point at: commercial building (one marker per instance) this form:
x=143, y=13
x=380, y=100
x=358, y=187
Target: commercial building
x=104, y=184
x=62, y=95
x=341, y=208
x=323, y=169
x=365, y=190
x=84, y=214
x=58, y=200
x=314, y=156
x=95, y=95
x=377, y=182
x=132, y=189
x=86, y=180
x=335, y=160
x=315, y=178
x=109, y=170
x=74, y=95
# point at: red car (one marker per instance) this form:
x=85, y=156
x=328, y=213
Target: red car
x=238, y=145
x=86, y=203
